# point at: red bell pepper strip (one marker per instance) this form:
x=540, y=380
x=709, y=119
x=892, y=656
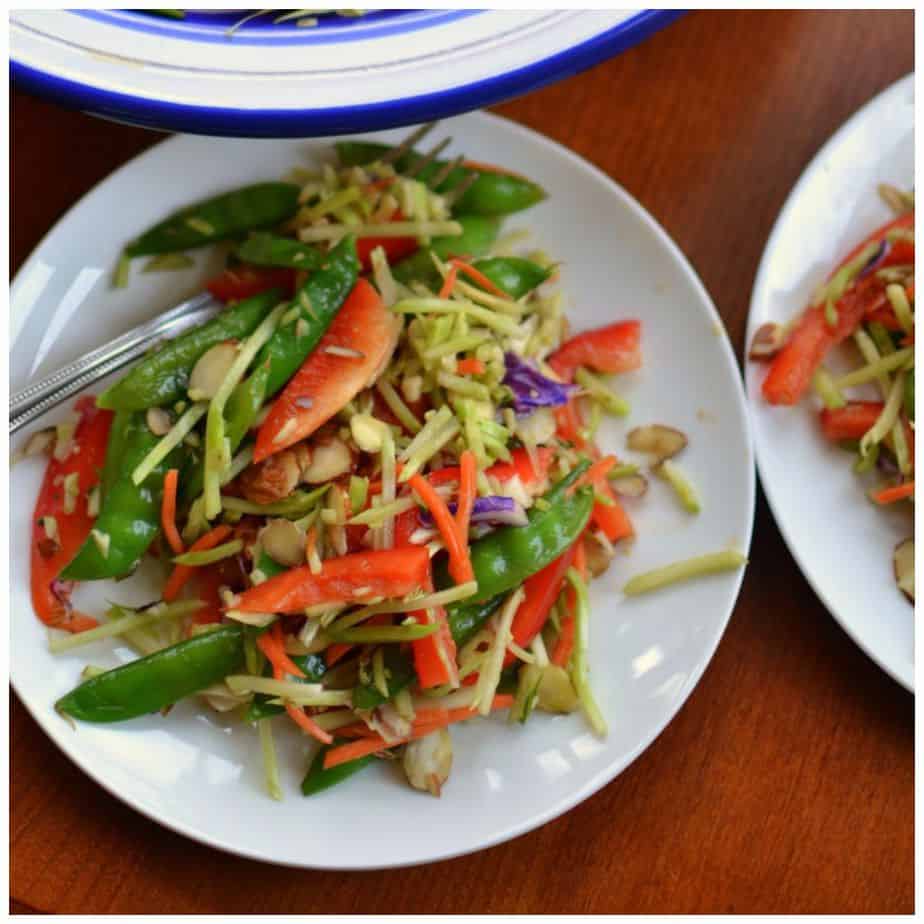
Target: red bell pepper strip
x=359, y=340
x=396, y=248
x=208, y=582
x=899, y=252
x=614, y=348
x=611, y=519
x=355, y=578
x=49, y=554
x=244, y=281
x=435, y=655
x=896, y=493
x=850, y=422
x=791, y=370
x=565, y=645
x=541, y=591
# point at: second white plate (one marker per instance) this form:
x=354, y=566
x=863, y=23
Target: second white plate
x=842, y=543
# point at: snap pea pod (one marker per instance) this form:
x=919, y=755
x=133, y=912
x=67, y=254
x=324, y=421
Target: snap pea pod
x=129, y=516
x=114, y=449
x=161, y=378
x=493, y=193
x=267, y=249
x=318, y=778
x=504, y=559
x=314, y=667
x=158, y=680
x=515, y=275
x=219, y=218
x=478, y=233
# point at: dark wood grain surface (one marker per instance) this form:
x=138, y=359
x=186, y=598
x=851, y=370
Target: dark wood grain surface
x=786, y=782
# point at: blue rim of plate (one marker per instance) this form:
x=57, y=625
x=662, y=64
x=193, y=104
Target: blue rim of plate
x=288, y=123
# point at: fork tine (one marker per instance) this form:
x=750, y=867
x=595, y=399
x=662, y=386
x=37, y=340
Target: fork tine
x=440, y=176
x=428, y=158
x=408, y=143
x=456, y=193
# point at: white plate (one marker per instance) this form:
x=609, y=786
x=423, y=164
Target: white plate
x=842, y=543
x=200, y=775
x=387, y=68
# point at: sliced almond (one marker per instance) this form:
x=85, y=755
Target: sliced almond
x=630, y=485
x=284, y=542
x=657, y=440
x=903, y=562
x=329, y=459
x=210, y=370
x=40, y=443
x=767, y=342
x=159, y=421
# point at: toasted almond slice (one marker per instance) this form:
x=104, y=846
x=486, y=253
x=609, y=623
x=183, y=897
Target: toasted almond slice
x=767, y=342
x=630, y=485
x=903, y=562
x=657, y=440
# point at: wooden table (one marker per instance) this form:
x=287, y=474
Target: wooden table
x=786, y=782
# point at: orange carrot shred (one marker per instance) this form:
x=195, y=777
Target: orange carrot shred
x=182, y=573
x=449, y=282
x=477, y=276
x=305, y=722
x=468, y=486
x=168, y=511
x=272, y=645
x=595, y=474
x=470, y=366
x=460, y=565
x=897, y=493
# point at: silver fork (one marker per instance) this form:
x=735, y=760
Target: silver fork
x=39, y=397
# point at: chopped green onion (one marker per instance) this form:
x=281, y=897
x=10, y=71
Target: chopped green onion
x=123, y=624
x=210, y=556
x=579, y=666
x=683, y=571
x=169, y=442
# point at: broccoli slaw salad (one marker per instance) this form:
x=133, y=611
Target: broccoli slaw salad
x=866, y=304
x=370, y=484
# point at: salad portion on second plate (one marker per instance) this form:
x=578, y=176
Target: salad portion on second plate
x=370, y=484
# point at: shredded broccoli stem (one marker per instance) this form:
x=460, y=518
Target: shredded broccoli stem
x=598, y=391
x=888, y=417
x=375, y=516
x=397, y=406
x=493, y=663
x=499, y=322
x=389, y=486
x=880, y=337
x=379, y=679
x=169, y=442
x=900, y=448
x=460, y=344
x=295, y=506
x=359, y=491
x=579, y=666
x=831, y=315
x=384, y=281
x=381, y=635
x=270, y=765
x=684, y=570
x=302, y=694
x=217, y=454
x=333, y=202
x=837, y=285
x=867, y=462
x=462, y=386
x=122, y=272
x=901, y=306
x=387, y=229
x=827, y=390
x=124, y=623
x=437, y=431
x=209, y=556
x=877, y=367
x=621, y=471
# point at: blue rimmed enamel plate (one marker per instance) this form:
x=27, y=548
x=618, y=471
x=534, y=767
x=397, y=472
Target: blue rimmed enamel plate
x=384, y=69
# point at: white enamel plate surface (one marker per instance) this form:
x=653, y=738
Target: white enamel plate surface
x=201, y=774
x=842, y=543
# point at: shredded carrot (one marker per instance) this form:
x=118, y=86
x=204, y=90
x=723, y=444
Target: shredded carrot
x=460, y=565
x=449, y=282
x=890, y=495
x=595, y=474
x=580, y=559
x=182, y=573
x=470, y=367
x=305, y=722
x=364, y=746
x=168, y=511
x=477, y=276
x=468, y=487
x=272, y=645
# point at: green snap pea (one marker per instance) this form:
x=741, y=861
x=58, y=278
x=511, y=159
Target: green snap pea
x=493, y=193
x=515, y=275
x=129, y=517
x=219, y=218
x=478, y=233
x=318, y=778
x=158, y=680
x=114, y=448
x=266, y=249
x=161, y=378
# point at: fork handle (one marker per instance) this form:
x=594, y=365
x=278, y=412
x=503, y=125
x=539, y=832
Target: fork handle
x=128, y=343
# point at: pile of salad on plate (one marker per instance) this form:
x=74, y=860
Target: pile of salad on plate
x=868, y=299
x=369, y=486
